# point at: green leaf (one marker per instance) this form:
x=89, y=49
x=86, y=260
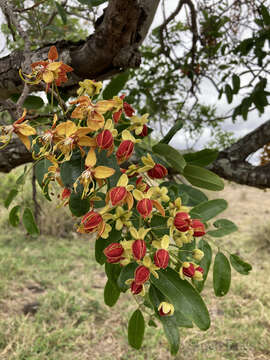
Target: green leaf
x=111, y=293
x=21, y=178
x=229, y=93
x=174, y=158
x=203, y=178
x=156, y=297
x=77, y=205
x=201, y=158
x=32, y=102
x=209, y=209
x=221, y=275
x=29, y=222
x=183, y=296
x=115, y=85
x=71, y=170
x=169, y=322
x=236, y=83
x=126, y=273
x=41, y=169
x=265, y=15
x=224, y=227
x=136, y=329
x=62, y=12
x=204, y=263
x=168, y=137
x=240, y=265
x=14, y=218
x=103, y=159
x=113, y=271
x=101, y=244
x=195, y=196
x=11, y=196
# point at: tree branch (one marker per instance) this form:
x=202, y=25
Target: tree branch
x=111, y=49
x=231, y=163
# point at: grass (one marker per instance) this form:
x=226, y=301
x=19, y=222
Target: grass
x=59, y=278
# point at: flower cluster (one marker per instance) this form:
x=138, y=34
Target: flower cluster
x=89, y=148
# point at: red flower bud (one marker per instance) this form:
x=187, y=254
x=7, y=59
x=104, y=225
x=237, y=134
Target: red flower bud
x=65, y=193
x=113, y=252
x=161, y=258
x=157, y=172
x=91, y=221
x=124, y=151
x=144, y=131
x=117, y=195
x=116, y=116
x=198, y=227
x=138, y=249
x=136, y=288
x=182, y=221
x=128, y=109
x=142, y=274
x=200, y=269
x=144, y=207
x=189, y=271
x=104, y=139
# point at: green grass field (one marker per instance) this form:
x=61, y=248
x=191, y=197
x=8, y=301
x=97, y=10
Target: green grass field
x=51, y=302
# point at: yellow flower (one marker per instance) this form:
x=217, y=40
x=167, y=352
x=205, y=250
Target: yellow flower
x=20, y=128
x=166, y=309
x=89, y=87
x=160, y=194
x=92, y=112
x=177, y=206
x=122, y=218
x=68, y=136
x=138, y=122
x=148, y=163
x=147, y=262
x=92, y=172
x=163, y=243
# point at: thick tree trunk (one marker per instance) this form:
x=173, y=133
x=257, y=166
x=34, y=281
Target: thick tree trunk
x=112, y=48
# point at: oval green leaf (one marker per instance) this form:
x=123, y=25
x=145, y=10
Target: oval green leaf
x=29, y=222
x=126, y=273
x=203, y=178
x=11, y=196
x=240, y=265
x=201, y=158
x=221, y=275
x=183, y=296
x=111, y=293
x=169, y=323
x=208, y=209
x=204, y=263
x=77, y=205
x=41, y=169
x=195, y=196
x=136, y=328
x=115, y=85
x=173, y=156
x=224, y=227
x=14, y=218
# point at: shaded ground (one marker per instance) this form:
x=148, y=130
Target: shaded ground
x=51, y=299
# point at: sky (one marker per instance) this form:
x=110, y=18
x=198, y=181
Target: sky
x=208, y=96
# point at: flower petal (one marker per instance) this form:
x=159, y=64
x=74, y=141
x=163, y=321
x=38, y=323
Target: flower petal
x=103, y=172
x=91, y=158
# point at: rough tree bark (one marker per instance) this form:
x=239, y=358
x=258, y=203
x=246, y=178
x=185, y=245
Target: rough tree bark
x=111, y=49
